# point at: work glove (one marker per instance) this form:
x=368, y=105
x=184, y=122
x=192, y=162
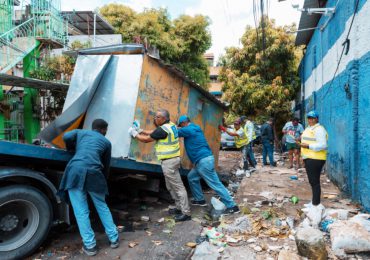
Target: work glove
x=132, y=131
x=136, y=126
x=222, y=128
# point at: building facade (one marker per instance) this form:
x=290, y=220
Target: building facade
x=214, y=86
x=335, y=76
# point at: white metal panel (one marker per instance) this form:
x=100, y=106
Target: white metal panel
x=115, y=100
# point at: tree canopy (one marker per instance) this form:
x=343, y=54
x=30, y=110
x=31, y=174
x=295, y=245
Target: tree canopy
x=181, y=42
x=261, y=82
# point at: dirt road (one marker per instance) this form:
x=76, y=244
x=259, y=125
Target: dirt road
x=264, y=197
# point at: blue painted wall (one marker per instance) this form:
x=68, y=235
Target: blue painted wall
x=344, y=113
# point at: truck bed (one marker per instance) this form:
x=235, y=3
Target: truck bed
x=33, y=156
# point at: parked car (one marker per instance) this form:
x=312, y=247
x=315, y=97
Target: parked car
x=227, y=141
x=257, y=129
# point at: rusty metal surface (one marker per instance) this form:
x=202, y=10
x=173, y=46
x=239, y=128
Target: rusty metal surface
x=162, y=88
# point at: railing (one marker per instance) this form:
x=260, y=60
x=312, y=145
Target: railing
x=16, y=44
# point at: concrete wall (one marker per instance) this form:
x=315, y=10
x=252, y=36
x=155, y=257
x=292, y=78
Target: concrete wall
x=341, y=94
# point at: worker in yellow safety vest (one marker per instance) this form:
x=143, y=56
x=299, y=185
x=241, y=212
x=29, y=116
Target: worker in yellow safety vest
x=313, y=151
x=251, y=134
x=167, y=149
x=241, y=142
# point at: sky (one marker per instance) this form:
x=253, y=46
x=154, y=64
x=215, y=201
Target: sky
x=229, y=17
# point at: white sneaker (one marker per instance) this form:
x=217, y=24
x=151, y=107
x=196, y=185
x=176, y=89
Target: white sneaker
x=247, y=173
x=252, y=169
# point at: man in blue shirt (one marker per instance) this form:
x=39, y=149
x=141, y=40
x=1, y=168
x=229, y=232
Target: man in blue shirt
x=86, y=173
x=201, y=156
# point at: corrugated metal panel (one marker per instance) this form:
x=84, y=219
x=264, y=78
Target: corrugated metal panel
x=308, y=21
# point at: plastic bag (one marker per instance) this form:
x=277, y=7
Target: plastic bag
x=217, y=204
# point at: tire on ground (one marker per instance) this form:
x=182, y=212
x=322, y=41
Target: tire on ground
x=40, y=205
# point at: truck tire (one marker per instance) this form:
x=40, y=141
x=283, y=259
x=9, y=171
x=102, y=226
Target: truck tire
x=25, y=219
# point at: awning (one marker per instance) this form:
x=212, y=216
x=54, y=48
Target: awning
x=9, y=80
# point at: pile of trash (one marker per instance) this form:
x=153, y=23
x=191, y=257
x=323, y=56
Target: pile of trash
x=347, y=234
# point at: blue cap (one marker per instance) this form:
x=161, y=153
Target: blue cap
x=183, y=118
x=312, y=114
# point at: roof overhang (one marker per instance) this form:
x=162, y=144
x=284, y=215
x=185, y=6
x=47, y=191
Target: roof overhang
x=308, y=21
x=10, y=80
x=83, y=21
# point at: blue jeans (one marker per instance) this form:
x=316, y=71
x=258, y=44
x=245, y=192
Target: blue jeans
x=251, y=154
x=80, y=206
x=205, y=169
x=268, y=149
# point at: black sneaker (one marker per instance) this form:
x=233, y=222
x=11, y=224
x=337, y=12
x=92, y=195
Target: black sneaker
x=231, y=210
x=174, y=211
x=182, y=217
x=114, y=244
x=90, y=251
x=201, y=203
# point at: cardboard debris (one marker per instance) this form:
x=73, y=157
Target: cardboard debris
x=132, y=244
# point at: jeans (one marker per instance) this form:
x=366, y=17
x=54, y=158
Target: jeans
x=244, y=149
x=205, y=169
x=313, y=169
x=268, y=149
x=251, y=154
x=80, y=206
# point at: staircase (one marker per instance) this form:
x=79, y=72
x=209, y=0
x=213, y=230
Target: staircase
x=16, y=44
x=45, y=26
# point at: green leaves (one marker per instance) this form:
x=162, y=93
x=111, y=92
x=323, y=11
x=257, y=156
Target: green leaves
x=181, y=42
x=262, y=82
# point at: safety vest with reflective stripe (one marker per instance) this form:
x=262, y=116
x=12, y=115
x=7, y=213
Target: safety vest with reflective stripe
x=241, y=141
x=308, y=137
x=169, y=147
x=248, y=125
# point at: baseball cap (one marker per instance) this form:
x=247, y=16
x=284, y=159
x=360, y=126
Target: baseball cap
x=182, y=119
x=312, y=114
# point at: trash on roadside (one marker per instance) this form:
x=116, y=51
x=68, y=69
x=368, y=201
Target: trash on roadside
x=245, y=210
x=120, y=229
x=191, y=244
x=325, y=224
x=340, y=214
x=212, y=233
x=217, y=204
x=205, y=251
x=167, y=231
x=132, y=244
x=149, y=233
x=201, y=238
x=170, y=222
x=294, y=177
x=145, y=218
x=294, y=199
x=157, y=242
x=240, y=225
x=290, y=222
x=160, y=220
x=349, y=236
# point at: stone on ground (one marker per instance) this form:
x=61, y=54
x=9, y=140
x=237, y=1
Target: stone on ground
x=310, y=243
x=349, y=237
x=288, y=255
x=237, y=253
x=206, y=251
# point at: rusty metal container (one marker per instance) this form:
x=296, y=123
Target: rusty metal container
x=121, y=83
